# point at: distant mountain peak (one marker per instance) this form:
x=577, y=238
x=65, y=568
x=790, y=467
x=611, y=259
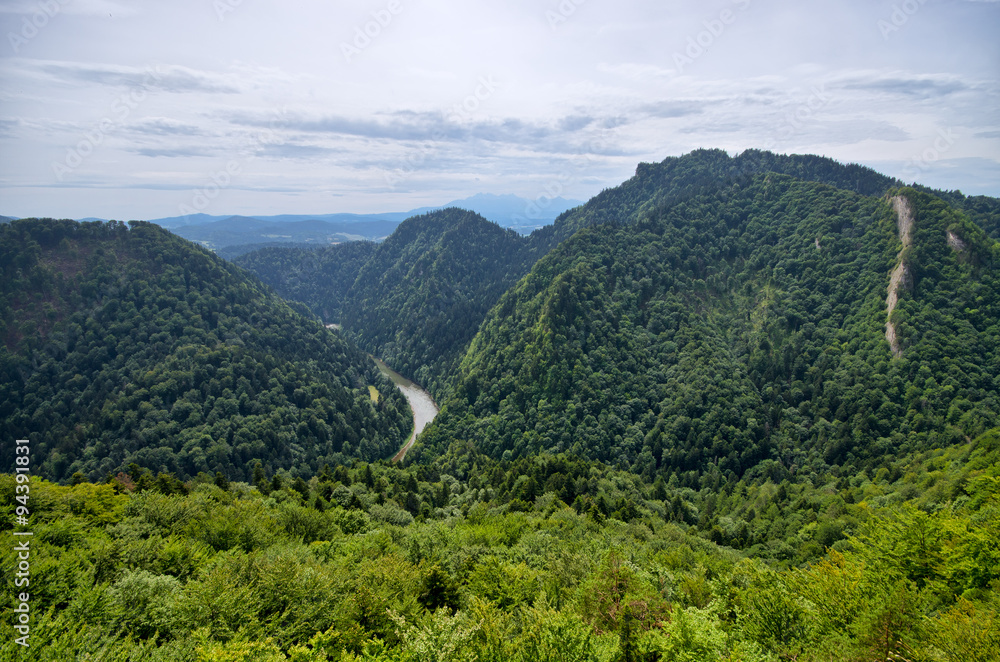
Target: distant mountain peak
x=512, y=211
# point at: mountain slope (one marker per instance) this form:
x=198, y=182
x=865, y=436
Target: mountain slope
x=983, y=210
x=737, y=325
x=656, y=187
x=420, y=299
x=319, y=278
x=127, y=344
x=676, y=179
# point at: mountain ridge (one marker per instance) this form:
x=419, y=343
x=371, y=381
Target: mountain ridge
x=127, y=344
x=656, y=190
x=598, y=306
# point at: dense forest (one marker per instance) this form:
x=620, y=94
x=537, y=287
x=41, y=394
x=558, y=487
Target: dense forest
x=438, y=263
x=983, y=210
x=318, y=277
x=676, y=179
x=420, y=299
x=737, y=408
x=448, y=561
x=741, y=325
x=416, y=299
x=125, y=344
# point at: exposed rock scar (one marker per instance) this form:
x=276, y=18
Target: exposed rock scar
x=900, y=275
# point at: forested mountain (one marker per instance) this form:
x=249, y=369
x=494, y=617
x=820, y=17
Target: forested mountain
x=126, y=344
x=317, y=277
x=711, y=312
x=744, y=323
x=420, y=299
x=415, y=300
x=734, y=409
x=982, y=209
x=386, y=309
x=675, y=179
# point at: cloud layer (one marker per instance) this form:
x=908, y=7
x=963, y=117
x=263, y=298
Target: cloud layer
x=322, y=107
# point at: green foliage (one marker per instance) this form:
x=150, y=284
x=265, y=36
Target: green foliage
x=240, y=651
x=148, y=575
x=124, y=344
x=714, y=335
x=146, y=602
x=691, y=635
x=419, y=299
x=553, y=636
x=320, y=278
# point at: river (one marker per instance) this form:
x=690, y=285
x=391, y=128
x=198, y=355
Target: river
x=421, y=402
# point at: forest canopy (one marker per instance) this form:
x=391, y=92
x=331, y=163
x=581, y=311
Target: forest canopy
x=339, y=569
x=736, y=408
x=742, y=325
x=125, y=344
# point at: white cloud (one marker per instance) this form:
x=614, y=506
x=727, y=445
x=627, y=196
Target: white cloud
x=267, y=85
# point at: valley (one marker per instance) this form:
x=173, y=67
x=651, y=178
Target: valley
x=736, y=407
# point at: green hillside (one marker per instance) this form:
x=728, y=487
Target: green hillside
x=677, y=179
x=126, y=344
x=419, y=299
x=338, y=570
x=743, y=324
x=476, y=262
x=317, y=277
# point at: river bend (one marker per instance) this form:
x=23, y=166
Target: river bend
x=421, y=402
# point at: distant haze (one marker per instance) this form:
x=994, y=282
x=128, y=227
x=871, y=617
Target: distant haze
x=145, y=109
x=217, y=232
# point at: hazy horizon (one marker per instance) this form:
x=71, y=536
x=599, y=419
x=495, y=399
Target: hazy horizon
x=144, y=110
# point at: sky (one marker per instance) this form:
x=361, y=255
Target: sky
x=141, y=109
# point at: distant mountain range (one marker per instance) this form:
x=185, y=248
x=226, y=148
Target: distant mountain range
x=509, y=211
x=218, y=232
x=243, y=230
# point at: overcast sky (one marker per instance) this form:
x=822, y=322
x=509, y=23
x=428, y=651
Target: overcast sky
x=141, y=109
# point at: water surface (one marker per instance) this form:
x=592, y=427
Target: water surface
x=421, y=402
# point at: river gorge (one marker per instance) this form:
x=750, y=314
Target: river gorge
x=423, y=405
